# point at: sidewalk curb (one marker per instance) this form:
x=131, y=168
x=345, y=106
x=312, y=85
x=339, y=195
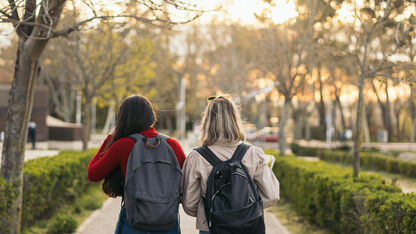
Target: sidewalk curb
x=92, y=218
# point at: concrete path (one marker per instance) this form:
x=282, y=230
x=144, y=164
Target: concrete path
x=103, y=221
x=32, y=154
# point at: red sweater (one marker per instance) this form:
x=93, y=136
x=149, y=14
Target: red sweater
x=118, y=154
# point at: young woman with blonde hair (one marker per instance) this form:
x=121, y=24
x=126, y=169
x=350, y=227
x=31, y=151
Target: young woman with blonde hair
x=221, y=133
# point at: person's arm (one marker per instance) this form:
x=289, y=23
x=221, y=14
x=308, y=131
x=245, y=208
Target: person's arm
x=105, y=162
x=266, y=181
x=103, y=147
x=177, y=149
x=191, y=188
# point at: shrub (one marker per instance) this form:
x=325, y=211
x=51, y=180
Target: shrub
x=371, y=149
x=318, y=132
x=62, y=223
x=7, y=194
x=49, y=183
x=391, y=213
x=92, y=204
x=304, y=151
x=343, y=148
x=329, y=196
x=375, y=161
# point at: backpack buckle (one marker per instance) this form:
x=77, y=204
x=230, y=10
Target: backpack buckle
x=150, y=145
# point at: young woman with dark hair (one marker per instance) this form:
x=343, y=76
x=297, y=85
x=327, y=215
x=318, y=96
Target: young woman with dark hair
x=135, y=115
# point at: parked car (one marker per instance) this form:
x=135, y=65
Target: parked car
x=250, y=129
x=267, y=134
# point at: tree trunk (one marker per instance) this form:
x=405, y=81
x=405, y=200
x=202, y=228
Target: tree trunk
x=282, y=125
x=397, y=115
x=413, y=114
x=322, y=121
x=86, y=122
x=20, y=107
x=108, y=120
x=298, y=127
x=334, y=134
x=358, y=130
x=18, y=114
x=388, y=114
x=298, y=120
x=385, y=110
x=168, y=121
x=341, y=111
x=307, y=128
x=366, y=130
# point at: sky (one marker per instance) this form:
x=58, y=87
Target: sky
x=241, y=11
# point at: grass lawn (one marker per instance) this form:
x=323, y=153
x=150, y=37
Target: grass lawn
x=77, y=211
x=292, y=221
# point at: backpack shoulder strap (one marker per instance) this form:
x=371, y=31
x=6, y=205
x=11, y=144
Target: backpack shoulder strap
x=240, y=151
x=162, y=136
x=208, y=155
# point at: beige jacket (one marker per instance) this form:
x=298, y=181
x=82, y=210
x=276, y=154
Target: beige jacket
x=196, y=171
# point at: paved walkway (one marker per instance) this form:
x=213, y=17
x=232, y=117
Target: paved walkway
x=32, y=154
x=104, y=220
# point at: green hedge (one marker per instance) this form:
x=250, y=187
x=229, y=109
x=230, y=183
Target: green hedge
x=7, y=194
x=328, y=196
x=375, y=161
x=48, y=183
x=304, y=151
x=314, y=151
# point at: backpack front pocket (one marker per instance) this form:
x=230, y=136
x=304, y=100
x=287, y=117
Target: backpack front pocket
x=156, y=210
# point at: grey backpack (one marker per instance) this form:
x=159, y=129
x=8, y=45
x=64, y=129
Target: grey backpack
x=152, y=184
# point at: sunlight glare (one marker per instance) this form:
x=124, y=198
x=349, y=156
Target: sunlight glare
x=243, y=10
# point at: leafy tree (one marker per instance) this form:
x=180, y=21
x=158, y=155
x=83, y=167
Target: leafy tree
x=290, y=52
x=8, y=56
x=373, y=18
x=35, y=23
x=109, y=64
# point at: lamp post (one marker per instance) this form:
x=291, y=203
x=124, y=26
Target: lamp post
x=78, y=113
x=180, y=111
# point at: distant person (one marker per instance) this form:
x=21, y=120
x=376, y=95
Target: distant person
x=240, y=182
x=142, y=166
x=348, y=135
x=342, y=136
x=32, y=133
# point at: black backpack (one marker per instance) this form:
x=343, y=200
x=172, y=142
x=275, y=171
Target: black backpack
x=232, y=203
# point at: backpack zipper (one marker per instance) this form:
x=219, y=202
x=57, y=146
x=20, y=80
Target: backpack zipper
x=240, y=174
x=212, y=201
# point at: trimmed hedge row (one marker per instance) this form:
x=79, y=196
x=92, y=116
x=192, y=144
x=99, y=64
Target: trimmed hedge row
x=48, y=183
x=7, y=194
x=328, y=196
x=375, y=161
x=314, y=151
x=304, y=151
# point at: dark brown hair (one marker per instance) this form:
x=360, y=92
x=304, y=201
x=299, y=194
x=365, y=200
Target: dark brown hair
x=134, y=115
